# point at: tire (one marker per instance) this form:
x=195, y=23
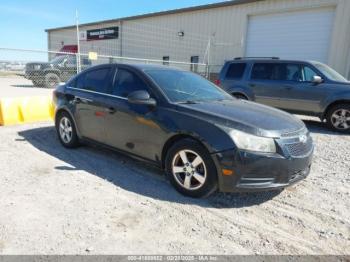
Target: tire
x=66, y=131
x=240, y=96
x=51, y=80
x=185, y=182
x=338, y=118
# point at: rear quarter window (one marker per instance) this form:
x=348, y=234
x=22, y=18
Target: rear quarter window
x=235, y=71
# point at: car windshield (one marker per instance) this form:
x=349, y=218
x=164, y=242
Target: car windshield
x=183, y=86
x=329, y=72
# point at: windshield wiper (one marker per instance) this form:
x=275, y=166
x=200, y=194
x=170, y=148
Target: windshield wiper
x=187, y=102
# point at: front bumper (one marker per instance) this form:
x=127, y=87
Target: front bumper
x=259, y=172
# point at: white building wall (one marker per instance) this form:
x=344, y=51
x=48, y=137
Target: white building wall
x=157, y=36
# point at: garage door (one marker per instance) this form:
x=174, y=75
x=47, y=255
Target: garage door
x=293, y=35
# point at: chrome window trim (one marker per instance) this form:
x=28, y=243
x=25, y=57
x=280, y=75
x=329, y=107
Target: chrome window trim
x=94, y=92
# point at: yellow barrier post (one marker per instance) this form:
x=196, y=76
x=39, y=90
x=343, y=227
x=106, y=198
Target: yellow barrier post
x=25, y=110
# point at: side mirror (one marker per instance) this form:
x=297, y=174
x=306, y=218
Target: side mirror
x=317, y=80
x=141, y=97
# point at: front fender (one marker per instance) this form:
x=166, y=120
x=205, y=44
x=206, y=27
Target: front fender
x=210, y=134
x=340, y=96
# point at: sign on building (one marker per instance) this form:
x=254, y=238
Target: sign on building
x=102, y=34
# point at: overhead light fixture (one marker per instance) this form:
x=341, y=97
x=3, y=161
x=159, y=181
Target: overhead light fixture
x=181, y=34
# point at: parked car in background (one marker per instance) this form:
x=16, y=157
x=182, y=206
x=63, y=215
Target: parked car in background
x=50, y=74
x=202, y=137
x=300, y=87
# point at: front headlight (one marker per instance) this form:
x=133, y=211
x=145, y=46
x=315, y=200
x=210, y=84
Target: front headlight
x=37, y=67
x=253, y=143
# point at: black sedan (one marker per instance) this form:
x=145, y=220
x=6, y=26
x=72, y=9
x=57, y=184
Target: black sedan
x=202, y=137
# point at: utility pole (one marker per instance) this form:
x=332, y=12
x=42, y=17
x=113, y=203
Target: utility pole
x=78, y=41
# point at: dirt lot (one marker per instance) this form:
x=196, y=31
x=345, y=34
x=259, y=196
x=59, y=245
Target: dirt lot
x=90, y=200
x=15, y=86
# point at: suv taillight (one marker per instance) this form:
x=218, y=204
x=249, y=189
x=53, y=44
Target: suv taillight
x=217, y=82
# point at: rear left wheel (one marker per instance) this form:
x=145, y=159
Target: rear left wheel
x=191, y=169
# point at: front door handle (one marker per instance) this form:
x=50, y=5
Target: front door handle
x=110, y=110
x=288, y=87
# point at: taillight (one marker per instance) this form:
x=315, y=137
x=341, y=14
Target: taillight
x=217, y=82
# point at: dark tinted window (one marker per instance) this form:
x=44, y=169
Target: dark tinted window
x=236, y=71
x=127, y=82
x=287, y=72
x=95, y=80
x=277, y=71
x=263, y=71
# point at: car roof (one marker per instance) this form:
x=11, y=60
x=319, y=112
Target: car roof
x=268, y=60
x=141, y=67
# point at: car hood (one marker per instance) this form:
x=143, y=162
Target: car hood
x=246, y=116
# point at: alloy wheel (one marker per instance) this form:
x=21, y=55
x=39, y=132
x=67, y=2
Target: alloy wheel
x=66, y=130
x=189, y=170
x=341, y=119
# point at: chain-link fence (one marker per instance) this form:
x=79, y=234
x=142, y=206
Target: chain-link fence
x=35, y=68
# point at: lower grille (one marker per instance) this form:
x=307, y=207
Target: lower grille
x=299, y=148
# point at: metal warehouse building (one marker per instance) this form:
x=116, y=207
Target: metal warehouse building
x=291, y=29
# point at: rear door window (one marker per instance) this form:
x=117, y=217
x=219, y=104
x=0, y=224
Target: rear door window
x=277, y=71
x=96, y=80
x=288, y=72
x=263, y=71
x=127, y=82
x=236, y=71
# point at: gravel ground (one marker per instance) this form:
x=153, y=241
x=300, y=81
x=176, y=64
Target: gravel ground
x=93, y=201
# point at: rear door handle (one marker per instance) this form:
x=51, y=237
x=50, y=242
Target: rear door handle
x=78, y=100
x=110, y=110
x=288, y=87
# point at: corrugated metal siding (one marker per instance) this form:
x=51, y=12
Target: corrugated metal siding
x=155, y=37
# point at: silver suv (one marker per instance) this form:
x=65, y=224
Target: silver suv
x=299, y=87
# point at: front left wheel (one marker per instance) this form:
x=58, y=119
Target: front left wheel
x=66, y=130
x=191, y=169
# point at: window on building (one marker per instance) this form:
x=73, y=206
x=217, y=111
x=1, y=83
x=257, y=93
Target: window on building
x=194, y=63
x=166, y=60
x=127, y=82
x=236, y=71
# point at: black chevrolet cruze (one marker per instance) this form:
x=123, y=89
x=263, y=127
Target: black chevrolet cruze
x=202, y=137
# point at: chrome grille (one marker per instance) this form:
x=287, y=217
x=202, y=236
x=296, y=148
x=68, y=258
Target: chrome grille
x=294, y=133
x=299, y=148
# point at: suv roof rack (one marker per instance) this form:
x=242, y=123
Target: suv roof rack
x=261, y=57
